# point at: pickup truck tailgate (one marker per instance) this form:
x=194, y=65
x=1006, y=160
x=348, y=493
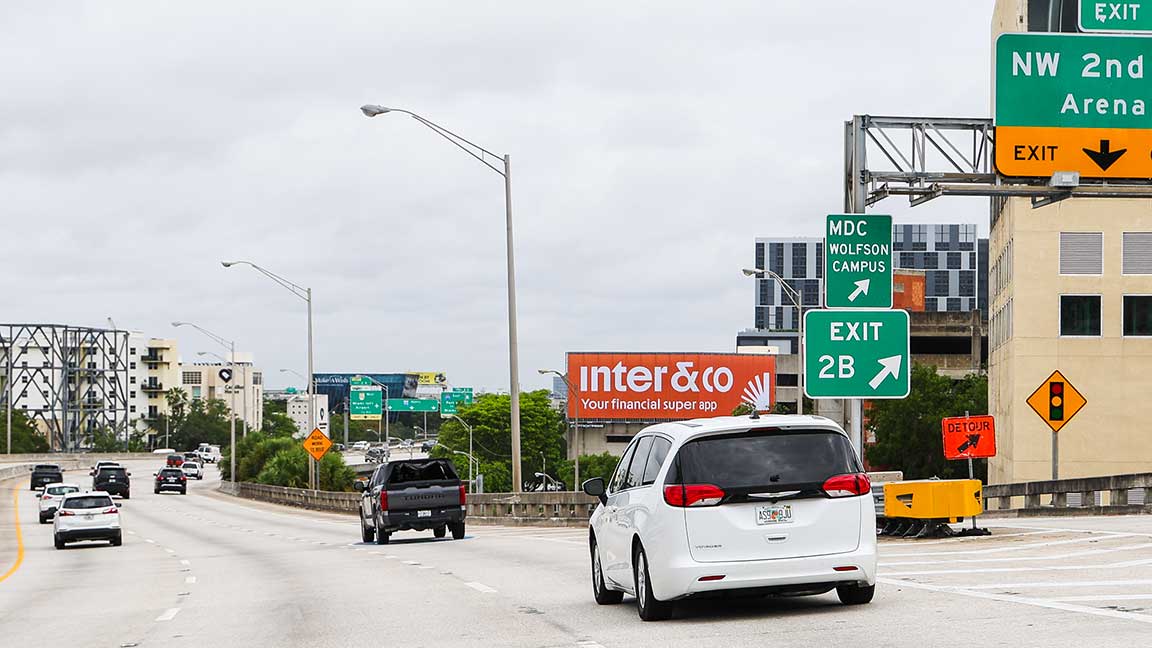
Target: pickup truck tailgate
x=423, y=497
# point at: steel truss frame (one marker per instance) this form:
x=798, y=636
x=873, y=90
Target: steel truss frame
x=928, y=157
x=80, y=372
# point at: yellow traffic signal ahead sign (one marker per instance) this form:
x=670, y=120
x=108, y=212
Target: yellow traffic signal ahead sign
x=317, y=444
x=1056, y=401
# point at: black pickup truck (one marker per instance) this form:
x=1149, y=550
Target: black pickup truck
x=413, y=494
x=46, y=474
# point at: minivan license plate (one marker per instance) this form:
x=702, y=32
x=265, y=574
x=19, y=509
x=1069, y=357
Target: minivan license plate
x=423, y=513
x=773, y=514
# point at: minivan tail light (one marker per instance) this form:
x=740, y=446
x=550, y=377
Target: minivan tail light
x=684, y=495
x=849, y=485
x=383, y=500
x=111, y=510
x=64, y=512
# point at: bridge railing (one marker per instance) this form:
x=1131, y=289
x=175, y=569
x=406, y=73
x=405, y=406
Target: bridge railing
x=1113, y=494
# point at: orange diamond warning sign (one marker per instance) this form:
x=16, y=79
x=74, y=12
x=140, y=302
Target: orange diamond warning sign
x=317, y=444
x=1056, y=401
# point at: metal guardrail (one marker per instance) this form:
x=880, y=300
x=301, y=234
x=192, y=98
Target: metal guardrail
x=1096, y=495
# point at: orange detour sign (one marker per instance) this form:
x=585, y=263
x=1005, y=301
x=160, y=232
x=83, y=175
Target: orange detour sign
x=317, y=444
x=1056, y=401
x=969, y=437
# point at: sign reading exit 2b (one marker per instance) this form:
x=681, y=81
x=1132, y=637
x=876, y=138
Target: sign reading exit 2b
x=856, y=354
x=858, y=261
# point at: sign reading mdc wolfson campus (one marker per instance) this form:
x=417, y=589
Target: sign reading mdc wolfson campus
x=668, y=386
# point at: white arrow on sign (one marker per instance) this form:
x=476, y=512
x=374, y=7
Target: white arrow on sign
x=861, y=289
x=890, y=367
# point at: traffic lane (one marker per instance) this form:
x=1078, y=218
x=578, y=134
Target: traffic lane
x=78, y=596
x=1099, y=567
x=544, y=573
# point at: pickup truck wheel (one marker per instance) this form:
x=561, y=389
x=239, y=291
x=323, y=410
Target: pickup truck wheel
x=458, y=531
x=382, y=537
x=366, y=534
x=440, y=531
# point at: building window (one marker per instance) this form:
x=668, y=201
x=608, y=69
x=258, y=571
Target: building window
x=132, y=409
x=953, y=304
x=919, y=237
x=800, y=260
x=819, y=260
x=131, y=365
x=190, y=377
x=1079, y=315
x=907, y=260
x=931, y=261
x=1138, y=315
x=759, y=255
x=811, y=293
x=132, y=351
x=132, y=380
x=196, y=393
x=132, y=394
x=257, y=378
x=1081, y=253
x=1137, y=253
x=967, y=283
x=939, y=283
x=776, y=258
x=930, y=304
x=954, y=261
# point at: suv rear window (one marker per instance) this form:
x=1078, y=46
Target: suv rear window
x=171, y=472
x=106, y=472
x=87, y=502
x=61, y=490
x=46, y=467
x=765, y=459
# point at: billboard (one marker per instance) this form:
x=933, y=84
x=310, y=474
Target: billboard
x=668, y=386
x=430, y=377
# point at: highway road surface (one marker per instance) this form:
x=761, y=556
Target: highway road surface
x=209, y=570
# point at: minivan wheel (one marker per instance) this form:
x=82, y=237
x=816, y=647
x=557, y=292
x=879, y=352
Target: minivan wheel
x=855, y=594
x=58, y=542
x=649, y=608
x=600, y=591
x=366, y=534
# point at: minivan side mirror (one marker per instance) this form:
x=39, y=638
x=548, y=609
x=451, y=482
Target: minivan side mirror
x=358, y=486
x=595, y=488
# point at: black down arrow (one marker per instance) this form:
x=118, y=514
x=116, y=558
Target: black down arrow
x=1105, y=157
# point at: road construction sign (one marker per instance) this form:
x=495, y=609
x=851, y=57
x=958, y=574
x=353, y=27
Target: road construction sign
x=317, y=444
x=1056, y=401
x=969, y=437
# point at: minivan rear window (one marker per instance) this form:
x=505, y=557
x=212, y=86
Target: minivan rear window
x=88, y=502
x=765, y=458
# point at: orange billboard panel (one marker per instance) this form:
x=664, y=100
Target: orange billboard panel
x=668, y=386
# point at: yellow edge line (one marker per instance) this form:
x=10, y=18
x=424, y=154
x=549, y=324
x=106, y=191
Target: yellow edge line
x=19, y=537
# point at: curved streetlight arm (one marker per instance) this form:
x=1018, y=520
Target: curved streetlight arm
x=213, y=354
x=295, y=289
x=227, y=344
x=792, y=293
x=372, y=111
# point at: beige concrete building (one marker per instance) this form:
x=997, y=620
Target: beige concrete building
x=1070, y=290
x=244, y=394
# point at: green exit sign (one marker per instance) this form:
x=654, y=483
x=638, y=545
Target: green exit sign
x=856, y=354
x=1131, y=16
x=858, y=261
x=413, y=405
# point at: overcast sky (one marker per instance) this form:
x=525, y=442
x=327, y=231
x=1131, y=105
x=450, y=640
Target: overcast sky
x=651, y=142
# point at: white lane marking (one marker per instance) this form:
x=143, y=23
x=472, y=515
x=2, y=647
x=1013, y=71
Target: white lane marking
x=1021, y=547
x=149, y=540
x=1024, y=585
x=169, y=550
x=578, y=543
x=388, y=556
x=1014, y=559
x=131, y=533
x=1008, y=598
x=588, y=643
x=426, y=567
x=1067, y=530
x=1011, y=570
x=169, y=614
x=185, y=562
x=411, y=562
x=1102, y=597
x=481, y=587
x=923, y=543
x=190, y=580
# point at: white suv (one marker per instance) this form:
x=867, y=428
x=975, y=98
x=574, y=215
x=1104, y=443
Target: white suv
x=776, y=504
x=87, y=516
x=50, y=497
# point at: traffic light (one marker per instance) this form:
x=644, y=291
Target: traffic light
x=1055, y=401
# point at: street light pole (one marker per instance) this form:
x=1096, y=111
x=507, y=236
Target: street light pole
x=577, y=440
x=470, y=452
x=797, y=299
x=481, y=154
x=231, y=346
x=306, y=295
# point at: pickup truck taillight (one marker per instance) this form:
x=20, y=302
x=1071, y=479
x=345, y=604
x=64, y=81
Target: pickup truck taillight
x=463, y=495
x=383, y=499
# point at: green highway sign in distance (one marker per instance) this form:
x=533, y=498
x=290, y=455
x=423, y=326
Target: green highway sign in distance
x=413, y=405
x=856, y=354
x=451, y=400
x=365, y=402
x=858, y=261
x=1130, y=16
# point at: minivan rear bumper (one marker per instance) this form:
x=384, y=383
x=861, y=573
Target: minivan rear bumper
x=681, y=576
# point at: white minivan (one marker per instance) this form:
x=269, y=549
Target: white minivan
x=777, y=504
x=209, y=453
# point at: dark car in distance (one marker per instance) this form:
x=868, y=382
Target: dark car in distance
x=113, y=480
x=43, y=474
x=171, y=479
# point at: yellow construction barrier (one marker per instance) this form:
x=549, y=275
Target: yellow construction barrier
x=931, y=503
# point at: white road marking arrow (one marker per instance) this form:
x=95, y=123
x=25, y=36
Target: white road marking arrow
x=891, y=367
x=861, y=289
